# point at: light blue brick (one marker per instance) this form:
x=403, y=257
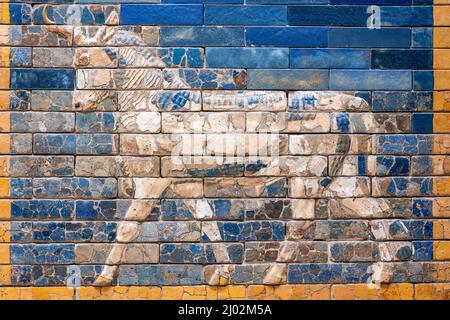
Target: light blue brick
x=370, y=80
x=286, y=36
x=330, y=58
x=247, y=58
x=156, y=14
x=288, y=79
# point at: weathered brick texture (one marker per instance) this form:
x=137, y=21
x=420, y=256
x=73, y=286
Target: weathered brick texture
x=225, y=150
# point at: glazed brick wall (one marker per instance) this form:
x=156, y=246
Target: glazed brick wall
x=347, y=197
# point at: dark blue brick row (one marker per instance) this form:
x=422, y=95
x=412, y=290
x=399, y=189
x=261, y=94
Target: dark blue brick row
x=249, y=231
x=42, y=209
x=423, y=80
x=20, y=188
x=423, y=250
x=391, y=166
x=42, y=79
x=402, y=101
x=245, y=15
x=19, y=13
x=402, y=59
x=422, y=122
x=286, y=36
x=42, y=253
x=370, y=38
x=155, y=14
x=202, y=36
x=422, y=208
x=357, y=16
x=328, y=273
x=43, y=231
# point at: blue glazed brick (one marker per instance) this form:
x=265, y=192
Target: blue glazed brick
x=245, y=15
x=286, y=36
x=75, y=187
x=42, y=209
x=367, y=38
x=247, y=58
x=19, y=13
x=400, y=186
x=202, y=36
x=422, y=37
x=96, y=210
x=408, y=16
x=64, y=15
x=20, y=57
x=387, y=166
x=422, y=122
x=328, y=273
x=72, y=143
x=249, y=231
x=422, y=165
x=422, y=208
x=19, y=100
x=288, y=79
x=402, y=101
x=208, y=78
x=96, y=122
x=362, y=165
x=327, y=15
x=201, y=253
x=286, y=1
x=42, y=253
x=370, y=80
x=42, y=78
x=156, y=14
x=330, y=58
x=55, y=143
x=74, y=231
x=423, y=80
x=38, y=275
x=343, y=122
x=161, y=275
x=373, y=2
x=95, y=144
x=21, y=231
x=20, y=188
x=402, y=59
x=223, y=209
x=423, y=250
x=181, y=57
x=405, y=144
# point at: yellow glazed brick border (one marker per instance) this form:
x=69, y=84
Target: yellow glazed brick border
x=396, y=291
x=5, y=128
x=441, y=125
